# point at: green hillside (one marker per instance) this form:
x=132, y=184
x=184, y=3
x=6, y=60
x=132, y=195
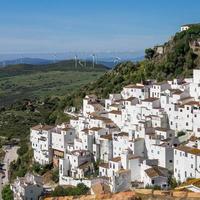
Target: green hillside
x=178, y=60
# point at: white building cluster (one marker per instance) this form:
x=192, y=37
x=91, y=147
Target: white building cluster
x=29, y=187
x=142, y=136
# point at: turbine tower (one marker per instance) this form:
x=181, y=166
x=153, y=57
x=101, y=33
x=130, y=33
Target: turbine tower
x=93, y=60
x=75, y=61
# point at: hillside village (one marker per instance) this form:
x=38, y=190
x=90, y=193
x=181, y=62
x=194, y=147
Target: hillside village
x=145, y=136
x=141, y=137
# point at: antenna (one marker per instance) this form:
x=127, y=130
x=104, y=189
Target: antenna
x=75, y=61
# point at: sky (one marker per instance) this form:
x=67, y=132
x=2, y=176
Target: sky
x=43, y=26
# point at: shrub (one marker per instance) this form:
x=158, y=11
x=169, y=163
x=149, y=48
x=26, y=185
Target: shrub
x=180, y=133
x=80, y=189
x=55, y=176
x=7, y=193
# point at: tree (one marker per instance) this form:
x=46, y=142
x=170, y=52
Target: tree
x=149, y=53
x=80, y=189
x=23, y=149
x=59, y=191
x=55, y=176
x=172, y=182
x=7, y=193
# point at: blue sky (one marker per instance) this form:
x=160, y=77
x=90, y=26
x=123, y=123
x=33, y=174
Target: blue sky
x=42, y=26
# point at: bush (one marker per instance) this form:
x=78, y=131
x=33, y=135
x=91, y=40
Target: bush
x=81, y=189
x=180, y=133
x=7, y=193
x=155, y=187
x=172, y=182
x=40, y=169
x=23, y=149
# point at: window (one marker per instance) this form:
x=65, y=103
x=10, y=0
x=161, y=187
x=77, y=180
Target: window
x=152, y=182
x=188, y=108
x=181, y=110
x=192, y=166
x=186, y=124
x=185, y=174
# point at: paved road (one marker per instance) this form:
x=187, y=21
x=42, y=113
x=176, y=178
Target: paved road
x=11, y=155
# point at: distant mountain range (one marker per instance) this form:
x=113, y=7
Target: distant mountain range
x=108, y=62
x=30, y=61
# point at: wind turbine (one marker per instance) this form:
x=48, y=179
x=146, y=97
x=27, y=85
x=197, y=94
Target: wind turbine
x=117, y=60
x=81, y=64
x=75, y=61
x=93, y=60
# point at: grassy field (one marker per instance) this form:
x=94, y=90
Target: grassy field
x=43, y=84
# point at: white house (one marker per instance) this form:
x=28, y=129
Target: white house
x=40, y=138
x=75, y=165
x=158, y=88
x=139, y=91
x=61, y=137
x=186, y=163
